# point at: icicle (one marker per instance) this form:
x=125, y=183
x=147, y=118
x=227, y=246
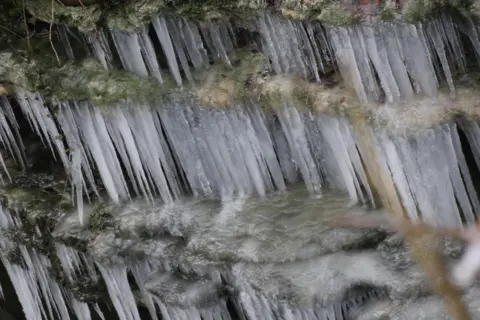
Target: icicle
x=141, y=271
x=388, y=35
x=213, y=32
x=115, y=278
x=9, y=132
x=266, y=146
x=417, y=60
x=33, y=108
x=129, y=50
x=293, y=127
x=174, y=32
x=150, y=56
x=39, y=294
x=101, y=149
x=80, y=309
x=194, y=44
x=101, y=49
x=229, y=158
x=426, y=164
x=347, y=60
x=379, y=57
x=291, y=47
x=151, y=151
x=62, y=34
x=160, y=26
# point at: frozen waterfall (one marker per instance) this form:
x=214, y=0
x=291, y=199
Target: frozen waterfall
x=191, y=212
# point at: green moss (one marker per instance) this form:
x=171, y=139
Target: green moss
x=136, y=14
x=100, y=218
x=133, y=14
x=388, y=14
x=221, y=86
x=89, y=81
x=84, y=18
x=336, y=15
x=86, y=80
x=12, y=27
x=303, y=10
x=421, y=10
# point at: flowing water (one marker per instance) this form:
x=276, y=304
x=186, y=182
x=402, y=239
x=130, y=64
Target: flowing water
x=270, y=257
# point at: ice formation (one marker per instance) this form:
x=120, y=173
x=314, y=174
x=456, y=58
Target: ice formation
x=206, y=257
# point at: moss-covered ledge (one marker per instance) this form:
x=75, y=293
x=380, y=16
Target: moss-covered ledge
x=86, y=80
x=251, y=81
x=85, y=18
x=132, y=15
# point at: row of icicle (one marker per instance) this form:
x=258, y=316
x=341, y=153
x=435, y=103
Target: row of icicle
x=386, y=61
x=272, y=153
x=243, y=151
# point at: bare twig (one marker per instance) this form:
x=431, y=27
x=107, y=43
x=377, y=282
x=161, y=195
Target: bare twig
x=50, y=33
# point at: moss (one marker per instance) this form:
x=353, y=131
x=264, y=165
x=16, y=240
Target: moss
x=421, y=10
x=274, y=91
x=336, y=15
x=103, y=88
x=222, y=86
x=71, y=81
x=12, y=23
x=133, y=14
x=84, y=18
x=100, y=218
x=303, y=10
x=388, y=14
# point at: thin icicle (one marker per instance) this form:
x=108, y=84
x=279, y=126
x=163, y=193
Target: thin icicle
x=150, y=56
x=159, y=23
x=129, y=50
x=179, y=48
x=101, y=49
x=62, y=34
x=115, y=278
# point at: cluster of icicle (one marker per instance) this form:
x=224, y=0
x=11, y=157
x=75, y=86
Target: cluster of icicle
x=220, y=153
x=386, y=60
x=243, y=151
x=431, y=174
x=183, y=43
x=40, y=295
x=395, y=59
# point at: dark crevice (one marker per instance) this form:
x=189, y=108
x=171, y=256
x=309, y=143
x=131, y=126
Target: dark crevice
x=469, y=157
x=10, y=302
